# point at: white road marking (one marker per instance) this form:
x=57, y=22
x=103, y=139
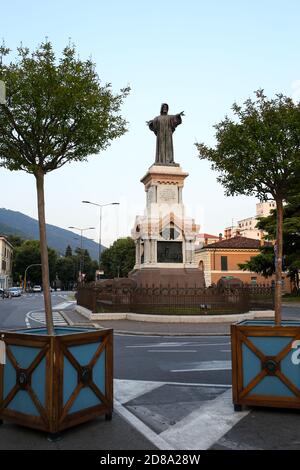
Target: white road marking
x=199, y=430
x=172, y=350
x=63, y=305
x=39, y=317
x=141, y=427
x=176, y=344
x=126, y=390
x=205, y=426
x=207, y=366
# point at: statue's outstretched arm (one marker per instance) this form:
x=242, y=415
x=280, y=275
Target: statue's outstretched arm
x=151, y=126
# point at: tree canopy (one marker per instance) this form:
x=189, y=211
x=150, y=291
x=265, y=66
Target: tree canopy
x=264, y=263
x=119, y=258
x=258, y=154
x=55, y=111
x=28, y=253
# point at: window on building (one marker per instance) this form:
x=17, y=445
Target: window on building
x=254, y=281
x=224, y=263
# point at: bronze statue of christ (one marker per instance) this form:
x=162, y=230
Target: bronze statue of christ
x=163, y=127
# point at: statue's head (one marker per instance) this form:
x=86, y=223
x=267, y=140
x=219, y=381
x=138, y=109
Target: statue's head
x=164, y=108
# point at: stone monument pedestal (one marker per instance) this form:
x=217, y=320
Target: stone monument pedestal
x=167, y=277
x=164, y=235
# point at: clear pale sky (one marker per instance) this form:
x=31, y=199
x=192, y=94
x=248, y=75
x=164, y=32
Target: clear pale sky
x=198, y=56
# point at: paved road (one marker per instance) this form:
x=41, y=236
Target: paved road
x=175, y=392
x=27, y=310
x=163, y=384
x=177, y=359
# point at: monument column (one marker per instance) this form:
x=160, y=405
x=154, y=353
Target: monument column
x=146, y=251
x=164, y=233
x=137, y=253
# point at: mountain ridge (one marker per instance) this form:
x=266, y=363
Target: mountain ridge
x=17, y=223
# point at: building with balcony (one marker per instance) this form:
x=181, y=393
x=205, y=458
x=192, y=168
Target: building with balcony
x=6, y=256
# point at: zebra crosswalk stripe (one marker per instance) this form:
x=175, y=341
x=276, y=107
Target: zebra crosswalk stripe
x=39, y=317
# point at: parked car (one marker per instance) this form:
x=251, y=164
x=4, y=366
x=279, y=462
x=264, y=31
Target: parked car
x=4, y=294
x=37, y=288
x=15, y=291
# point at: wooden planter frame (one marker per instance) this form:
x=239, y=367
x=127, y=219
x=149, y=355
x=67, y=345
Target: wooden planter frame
x=55, y=414
x=244, y=333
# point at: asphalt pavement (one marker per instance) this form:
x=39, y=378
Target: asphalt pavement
x=172, y=391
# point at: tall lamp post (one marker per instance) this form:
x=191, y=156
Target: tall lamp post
x=25, y=274
x=81, y=230
x=100, y=222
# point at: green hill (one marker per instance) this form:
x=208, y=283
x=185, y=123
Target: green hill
x=16, y=223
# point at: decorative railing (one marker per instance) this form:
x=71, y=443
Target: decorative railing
x=126, y=297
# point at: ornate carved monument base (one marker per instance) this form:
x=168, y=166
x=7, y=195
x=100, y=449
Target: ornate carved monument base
x=164, y=235
x=165, y=277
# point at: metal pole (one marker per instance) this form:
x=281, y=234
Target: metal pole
x=25, y=274
x=100, y=224
x=100, y=238
x=81, y=256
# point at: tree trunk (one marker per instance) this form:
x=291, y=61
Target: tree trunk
x=278, y=261
x=44, y=251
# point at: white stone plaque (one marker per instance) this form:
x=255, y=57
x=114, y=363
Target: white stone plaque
x=151, y=195
x=167, y=194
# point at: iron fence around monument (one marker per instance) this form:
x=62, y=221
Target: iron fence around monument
x=174, y=300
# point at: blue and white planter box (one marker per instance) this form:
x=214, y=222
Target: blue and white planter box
x=55, y=382
x=266, y=363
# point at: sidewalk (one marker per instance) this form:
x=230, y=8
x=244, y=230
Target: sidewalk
x=147, y=328
x=99, y=434
x=119, y=433
x=162, y=415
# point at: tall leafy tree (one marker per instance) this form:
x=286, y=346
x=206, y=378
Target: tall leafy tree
x=15, y=240
x=29, y=253
x=66, y=271
x=56, y=112
x=119, y=259
x=258, y=154
x=68, y=251
x=264, y=262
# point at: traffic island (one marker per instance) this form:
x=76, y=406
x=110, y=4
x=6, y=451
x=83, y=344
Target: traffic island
x=266, y=364
x=51, y=383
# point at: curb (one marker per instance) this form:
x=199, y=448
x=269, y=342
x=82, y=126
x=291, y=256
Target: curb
x=174, y=319
x=139, y=333
x=144, y=333
x=72, y=323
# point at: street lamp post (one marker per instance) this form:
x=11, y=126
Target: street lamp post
x=100, y=222
x=25, y=275
x=81, y=230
